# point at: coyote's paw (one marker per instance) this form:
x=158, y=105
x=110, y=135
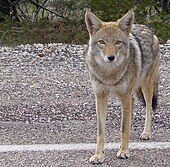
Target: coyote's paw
x=145, y=136
x=97, y=159
x=123, y=154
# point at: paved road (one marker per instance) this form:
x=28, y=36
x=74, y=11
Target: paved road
x=70, y=133
x=139, y=158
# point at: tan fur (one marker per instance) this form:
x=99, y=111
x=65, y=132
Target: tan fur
x=148, y=86
x=119, y=65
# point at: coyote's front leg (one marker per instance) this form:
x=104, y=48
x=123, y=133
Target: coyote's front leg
x=101, y=109
x=126, y=101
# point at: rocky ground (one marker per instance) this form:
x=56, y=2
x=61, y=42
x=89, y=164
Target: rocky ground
x=45, y=83
x=46, y=98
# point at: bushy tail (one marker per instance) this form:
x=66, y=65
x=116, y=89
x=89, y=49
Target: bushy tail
x=154, y=98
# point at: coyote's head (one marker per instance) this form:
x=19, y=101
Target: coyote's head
x=109, y=40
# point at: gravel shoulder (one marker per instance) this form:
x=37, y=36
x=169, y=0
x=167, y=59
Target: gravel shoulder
x=46, y=98
x=50, y=84
x=45, y=83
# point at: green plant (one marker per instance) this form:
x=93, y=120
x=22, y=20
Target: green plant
x=44, y=21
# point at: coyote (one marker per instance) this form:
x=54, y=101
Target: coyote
x=122, y=59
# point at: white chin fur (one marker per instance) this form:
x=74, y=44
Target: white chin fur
x=106, y=59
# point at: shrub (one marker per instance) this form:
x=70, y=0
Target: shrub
x=44, y=21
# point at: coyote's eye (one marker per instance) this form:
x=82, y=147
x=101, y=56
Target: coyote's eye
x=101, y=42
x=118, y=42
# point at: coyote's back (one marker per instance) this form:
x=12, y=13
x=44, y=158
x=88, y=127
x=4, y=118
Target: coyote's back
x=149, y=49
x=148, y=44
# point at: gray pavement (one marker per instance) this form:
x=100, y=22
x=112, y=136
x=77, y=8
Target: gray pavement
x=139, y=158
x=72, y=132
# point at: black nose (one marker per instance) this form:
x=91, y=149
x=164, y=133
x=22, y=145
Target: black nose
x=111, y=58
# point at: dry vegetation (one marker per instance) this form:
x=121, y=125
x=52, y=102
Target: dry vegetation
x=51, y=21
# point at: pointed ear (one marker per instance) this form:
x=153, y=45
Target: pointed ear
x=93, y=23
x=125, y=23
